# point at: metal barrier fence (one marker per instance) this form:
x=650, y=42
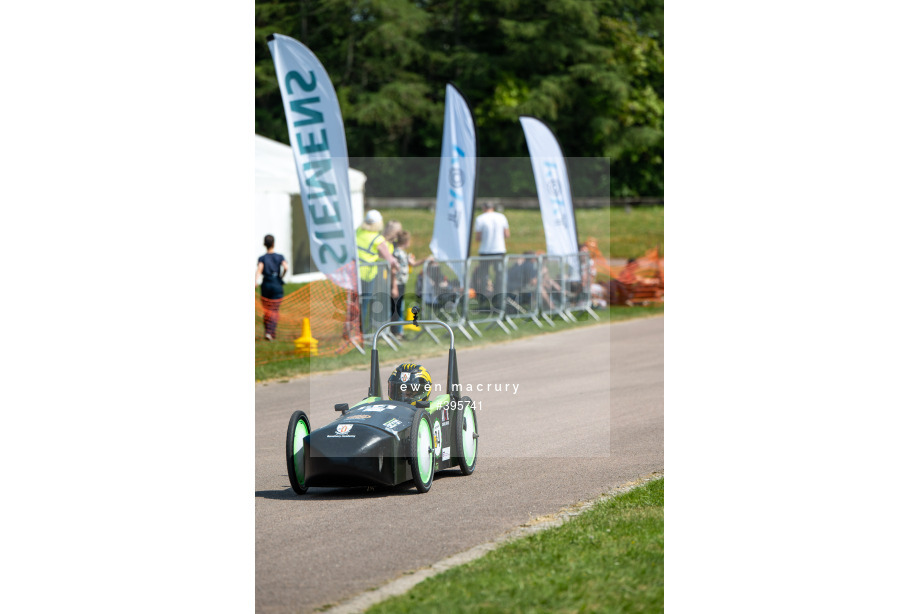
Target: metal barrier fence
x=483, y=290
x=442, y=291
x=522, y=288
x=581, y=277
x=552, y=288
x=486, y=280
x=376, y=305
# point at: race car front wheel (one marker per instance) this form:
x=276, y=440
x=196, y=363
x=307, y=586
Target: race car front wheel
x=466, y=436
x=298, y=428
x=421, y=450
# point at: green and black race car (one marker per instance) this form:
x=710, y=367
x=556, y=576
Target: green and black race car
x=381, y=441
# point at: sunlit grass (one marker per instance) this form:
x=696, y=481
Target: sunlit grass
x=608, y=559
x=284, y=362
x=620, y=232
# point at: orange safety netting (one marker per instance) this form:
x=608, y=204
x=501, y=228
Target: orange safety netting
x=639, y=281
x=333, y=320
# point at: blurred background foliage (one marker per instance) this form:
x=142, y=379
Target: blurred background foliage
x=592, y=70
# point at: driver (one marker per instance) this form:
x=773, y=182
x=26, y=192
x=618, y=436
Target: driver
x=409, y=383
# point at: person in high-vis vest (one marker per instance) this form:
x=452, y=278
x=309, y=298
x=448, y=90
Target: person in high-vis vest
x=372, y=248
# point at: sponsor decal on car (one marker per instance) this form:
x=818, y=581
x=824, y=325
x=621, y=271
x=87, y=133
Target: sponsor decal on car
x=342, y=430
x=446, y=454
x=378, y=408
x=437, y=438
x=358, y=417
x=392, y=424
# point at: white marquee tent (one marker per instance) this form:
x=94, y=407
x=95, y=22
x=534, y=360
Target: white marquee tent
x=276, y=181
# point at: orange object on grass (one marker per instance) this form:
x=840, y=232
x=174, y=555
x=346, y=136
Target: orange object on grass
x=334, y=319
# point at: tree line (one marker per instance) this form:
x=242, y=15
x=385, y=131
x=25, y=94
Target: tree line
x=593, y=70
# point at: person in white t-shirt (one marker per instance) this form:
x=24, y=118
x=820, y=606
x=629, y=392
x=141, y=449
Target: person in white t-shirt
x=491, y=230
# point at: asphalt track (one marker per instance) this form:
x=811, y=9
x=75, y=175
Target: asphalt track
x=587, y=415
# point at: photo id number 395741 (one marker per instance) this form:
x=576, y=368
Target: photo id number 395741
x=477, y=405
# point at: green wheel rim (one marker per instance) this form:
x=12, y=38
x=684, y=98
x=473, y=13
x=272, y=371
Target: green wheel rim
x=423, y=452
x=300, y=431
x=469, y=442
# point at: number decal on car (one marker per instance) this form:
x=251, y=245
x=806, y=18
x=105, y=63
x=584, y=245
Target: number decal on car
x=437, y=437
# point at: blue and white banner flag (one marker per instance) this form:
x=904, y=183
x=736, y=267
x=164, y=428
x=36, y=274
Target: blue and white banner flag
x=553, y=189
x=453, y=215
x=317, y=134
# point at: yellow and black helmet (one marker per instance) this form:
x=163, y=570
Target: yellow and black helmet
x=409, y=383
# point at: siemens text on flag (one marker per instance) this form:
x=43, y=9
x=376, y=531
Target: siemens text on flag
x=317, y=136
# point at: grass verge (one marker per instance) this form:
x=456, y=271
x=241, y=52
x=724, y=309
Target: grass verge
x=279, y=364
x=608, y=559
x=620, y=232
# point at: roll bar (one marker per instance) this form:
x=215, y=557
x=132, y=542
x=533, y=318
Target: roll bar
x=453, y=375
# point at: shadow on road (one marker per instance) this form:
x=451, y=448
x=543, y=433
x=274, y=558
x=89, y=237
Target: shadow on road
x=358, y=492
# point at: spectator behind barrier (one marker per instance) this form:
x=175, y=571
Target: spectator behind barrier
x=583, y=278
x=441, y=294
x=405, y=260
x=522, y=279
x=549, y=285
x=373, y=247
x=426, y=285
x=491, y=228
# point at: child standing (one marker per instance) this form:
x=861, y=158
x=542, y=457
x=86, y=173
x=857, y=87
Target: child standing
x=404, y=261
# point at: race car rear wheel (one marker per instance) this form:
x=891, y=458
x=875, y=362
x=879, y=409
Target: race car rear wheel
x=421, y=450
x=298, y=428
x=467, y=436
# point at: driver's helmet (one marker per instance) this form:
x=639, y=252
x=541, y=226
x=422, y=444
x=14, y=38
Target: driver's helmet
x=409, y=383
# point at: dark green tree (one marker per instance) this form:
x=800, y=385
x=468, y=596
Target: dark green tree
x=593, y=70
x=372, y=52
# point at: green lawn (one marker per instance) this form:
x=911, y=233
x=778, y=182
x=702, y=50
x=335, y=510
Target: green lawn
x=281, y=361
x=608, y=559
x=620, y=233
